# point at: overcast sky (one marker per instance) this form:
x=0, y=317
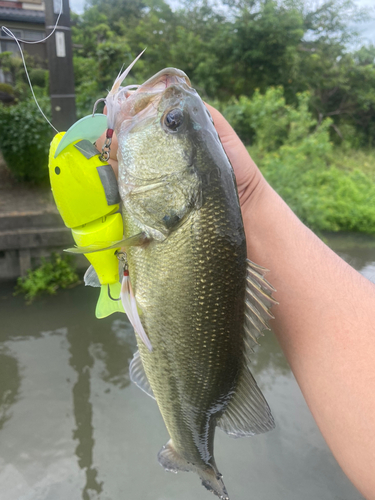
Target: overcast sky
x=366, y=29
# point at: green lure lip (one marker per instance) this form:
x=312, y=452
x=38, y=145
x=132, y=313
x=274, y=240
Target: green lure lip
x=89, y=127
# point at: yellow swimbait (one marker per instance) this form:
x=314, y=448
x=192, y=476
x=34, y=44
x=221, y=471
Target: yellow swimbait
x=86, y=194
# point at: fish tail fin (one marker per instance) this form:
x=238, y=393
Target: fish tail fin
x=172, y=461
x=106, y=305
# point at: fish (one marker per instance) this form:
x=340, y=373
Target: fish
x=86, y=194
x=201, y=302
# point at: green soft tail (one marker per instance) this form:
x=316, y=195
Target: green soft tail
x=106, y=305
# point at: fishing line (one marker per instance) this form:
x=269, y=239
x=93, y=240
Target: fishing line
x=8, y=32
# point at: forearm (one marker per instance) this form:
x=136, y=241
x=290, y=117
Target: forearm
x=325, y=325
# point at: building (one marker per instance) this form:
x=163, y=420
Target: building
x=27, y=21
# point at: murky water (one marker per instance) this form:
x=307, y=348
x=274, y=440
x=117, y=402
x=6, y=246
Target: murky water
x=73, y=427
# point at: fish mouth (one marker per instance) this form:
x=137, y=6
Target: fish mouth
x=164, y=79
x=144, y=101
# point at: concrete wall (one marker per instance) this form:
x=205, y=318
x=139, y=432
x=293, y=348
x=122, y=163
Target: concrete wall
x=25, y=238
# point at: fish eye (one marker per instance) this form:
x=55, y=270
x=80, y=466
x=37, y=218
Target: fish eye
x=173, y=119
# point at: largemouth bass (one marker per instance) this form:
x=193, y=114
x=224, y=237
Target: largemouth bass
x=201, y=303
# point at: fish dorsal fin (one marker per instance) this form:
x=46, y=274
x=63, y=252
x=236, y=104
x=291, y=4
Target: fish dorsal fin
x=91, y=278
x=138, y=375
x=258, y=301
x=248, y=412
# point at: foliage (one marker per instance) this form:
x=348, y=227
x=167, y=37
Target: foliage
x=56, y=273
x=6, y=88
x=7, y=94
x=233, y=47
x=38, y=77
x=12, y=65
x=349, y=159
x=297, y=158
x=24, y=140
x=325, y=198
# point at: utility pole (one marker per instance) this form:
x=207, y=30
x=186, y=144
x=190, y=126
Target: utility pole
x=60, y=63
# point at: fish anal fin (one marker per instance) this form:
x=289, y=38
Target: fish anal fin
x=248, y=412
x=105, y=305
x=138, y=375
x=172, y=461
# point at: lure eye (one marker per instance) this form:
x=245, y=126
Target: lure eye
x=173, y=119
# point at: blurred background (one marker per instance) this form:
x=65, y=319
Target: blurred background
x=296, y=79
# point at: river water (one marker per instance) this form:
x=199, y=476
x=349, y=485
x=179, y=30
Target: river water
x=72, y=426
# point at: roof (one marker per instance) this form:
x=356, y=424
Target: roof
x=22, y=15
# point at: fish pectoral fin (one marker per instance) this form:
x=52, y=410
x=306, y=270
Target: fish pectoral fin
x=138, y=375
x=91, y=278
x=133, y=241
x=248, y=412
x=211, y=478
x=258, y=301
x=107, y=306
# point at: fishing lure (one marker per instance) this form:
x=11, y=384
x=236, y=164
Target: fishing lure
x=86, y=194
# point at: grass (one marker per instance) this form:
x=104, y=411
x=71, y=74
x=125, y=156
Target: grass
x=334, y=192
x=351, y=159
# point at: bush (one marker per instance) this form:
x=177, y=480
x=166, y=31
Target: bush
x=25, y=137
x=6, y=88
x=296, y=157
x=7, y=94
x=267, y=120
x=39, y=77
x=325, y=198
x=51, y=275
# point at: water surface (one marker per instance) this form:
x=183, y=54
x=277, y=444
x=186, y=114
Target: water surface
x=73, y=427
